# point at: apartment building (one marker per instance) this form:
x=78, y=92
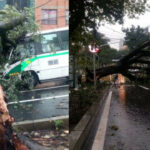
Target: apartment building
x=51, y=14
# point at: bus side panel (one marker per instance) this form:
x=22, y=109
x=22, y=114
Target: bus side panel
x=51, y=67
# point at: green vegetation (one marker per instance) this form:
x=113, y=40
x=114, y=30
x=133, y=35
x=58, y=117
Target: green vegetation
x=58, y=124
x=15, y=25
x=135, y=36
x=81, y=100
x=83, y=13
x=85, y=18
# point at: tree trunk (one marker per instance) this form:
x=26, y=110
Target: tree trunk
x=8, y=139
x=130, y=65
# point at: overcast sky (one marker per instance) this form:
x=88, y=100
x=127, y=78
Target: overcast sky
x=114, y=32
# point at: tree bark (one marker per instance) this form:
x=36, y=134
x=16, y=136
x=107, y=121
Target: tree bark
x=8, y=139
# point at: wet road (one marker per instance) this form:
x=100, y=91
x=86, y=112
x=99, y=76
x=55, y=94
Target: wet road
x=128, y=126
x=40, y=103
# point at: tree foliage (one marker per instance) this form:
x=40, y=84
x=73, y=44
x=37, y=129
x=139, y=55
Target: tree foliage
x=135, y=36
x=134, y=65
x=13, y=29
x=103, y=58
x=87, y=13
x=14, y=26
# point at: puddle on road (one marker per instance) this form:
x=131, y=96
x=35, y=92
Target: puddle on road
x=39, y=109
x=130, y=112
x=122, y=94
x=134, y=98
x=44, y=93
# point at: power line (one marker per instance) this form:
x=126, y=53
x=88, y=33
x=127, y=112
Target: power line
x=116, y=38
x=57, y=13
x=109, y=34
x=43, y=4
x=51, y=18
x=113, y=30
x=111, y=43
x=64, y=16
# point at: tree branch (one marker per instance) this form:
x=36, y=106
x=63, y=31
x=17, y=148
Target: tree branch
x=11, y=24
x=134, y=53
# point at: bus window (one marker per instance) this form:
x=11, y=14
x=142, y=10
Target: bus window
x=64, y=36
x=24, y=50
x=50, y=43
x=38, y=48
x=30, y=48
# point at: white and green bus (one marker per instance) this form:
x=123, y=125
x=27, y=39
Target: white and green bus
x=49, y=57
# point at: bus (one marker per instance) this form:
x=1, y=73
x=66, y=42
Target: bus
x=47, y=58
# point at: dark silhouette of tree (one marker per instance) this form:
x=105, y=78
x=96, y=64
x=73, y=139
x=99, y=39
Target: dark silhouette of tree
x=135, y=36
x=83, y=13
x=134, y=65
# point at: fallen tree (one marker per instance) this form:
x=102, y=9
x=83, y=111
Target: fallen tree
x=135, y=65
x=8, y=139
x=12, y=30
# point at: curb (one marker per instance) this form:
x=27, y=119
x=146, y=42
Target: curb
x=41, y=124
x=99, y=139
x=80, y=133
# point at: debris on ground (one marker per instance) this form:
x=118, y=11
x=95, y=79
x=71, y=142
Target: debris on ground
x=114, y=127
x=55, y=139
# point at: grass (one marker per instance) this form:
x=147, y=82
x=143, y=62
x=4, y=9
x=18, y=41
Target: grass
x=58, y=124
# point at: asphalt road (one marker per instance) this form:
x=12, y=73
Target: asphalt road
x=45, y=102
x=128, y=126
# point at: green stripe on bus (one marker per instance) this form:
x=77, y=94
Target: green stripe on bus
x=19, y=68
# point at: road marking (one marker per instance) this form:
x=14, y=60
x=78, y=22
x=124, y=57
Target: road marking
x=38, y=99
x=45, y=88
x=144, y=87
x=41, y=120
x=99, y=139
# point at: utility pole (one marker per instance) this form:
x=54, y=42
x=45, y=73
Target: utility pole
x=94, y=69
x=74, y=72
x=94, y=65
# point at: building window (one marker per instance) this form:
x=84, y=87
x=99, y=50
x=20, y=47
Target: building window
x=67, y=16
x=49, y=16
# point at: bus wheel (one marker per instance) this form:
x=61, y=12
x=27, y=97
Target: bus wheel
x=30, y=79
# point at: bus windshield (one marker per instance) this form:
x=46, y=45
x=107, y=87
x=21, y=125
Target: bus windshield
x=48, y=43
x=57, y=41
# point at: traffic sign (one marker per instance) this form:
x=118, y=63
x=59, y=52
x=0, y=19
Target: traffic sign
x=93, y=49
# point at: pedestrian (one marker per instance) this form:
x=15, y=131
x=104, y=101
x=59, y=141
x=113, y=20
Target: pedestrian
x=115, y=78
